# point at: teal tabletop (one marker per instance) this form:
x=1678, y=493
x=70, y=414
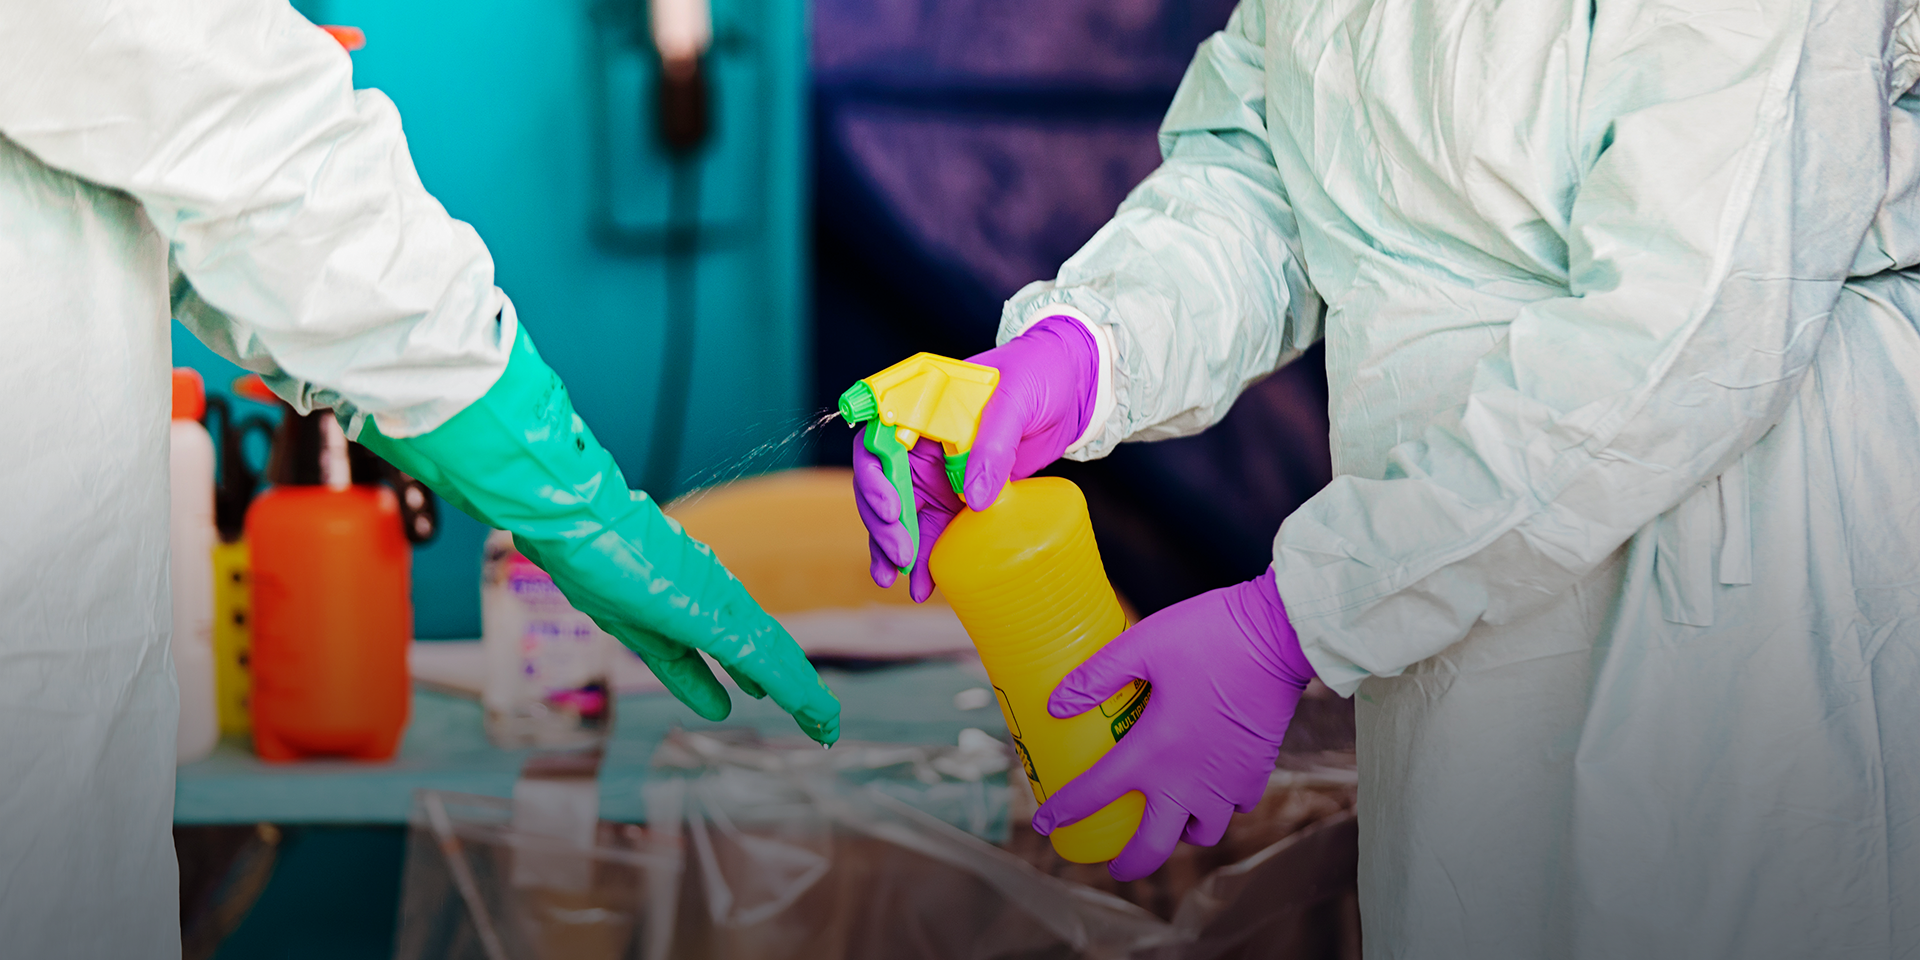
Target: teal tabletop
x=447, y=749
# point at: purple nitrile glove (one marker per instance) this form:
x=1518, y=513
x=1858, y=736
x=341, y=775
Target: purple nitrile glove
x=1046, y=395
x=1227, y=673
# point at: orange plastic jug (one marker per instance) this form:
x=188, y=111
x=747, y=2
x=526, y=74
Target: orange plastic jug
x=331, y=622
x=331, y=614
x=1025, y=578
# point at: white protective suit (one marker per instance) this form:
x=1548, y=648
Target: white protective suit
x=1622, y=559
x=217, y=146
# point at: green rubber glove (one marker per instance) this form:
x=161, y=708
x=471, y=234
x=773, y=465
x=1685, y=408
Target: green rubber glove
x=521, y=460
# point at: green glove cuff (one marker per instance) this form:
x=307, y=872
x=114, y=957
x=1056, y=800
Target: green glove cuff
x=520, y=459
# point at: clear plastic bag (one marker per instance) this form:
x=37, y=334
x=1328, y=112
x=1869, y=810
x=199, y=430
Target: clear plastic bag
x=478, y=889
x=771, y=851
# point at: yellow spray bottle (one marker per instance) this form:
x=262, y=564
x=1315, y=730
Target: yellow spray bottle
x=1025, y=578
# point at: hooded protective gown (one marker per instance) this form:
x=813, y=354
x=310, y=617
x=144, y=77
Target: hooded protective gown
x=1623, y=556
x=217, y=149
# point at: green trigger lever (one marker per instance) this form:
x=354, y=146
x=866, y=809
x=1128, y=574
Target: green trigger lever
x=924, y=397
x=883, y=443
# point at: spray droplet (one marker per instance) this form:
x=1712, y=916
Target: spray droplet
x=763, y=458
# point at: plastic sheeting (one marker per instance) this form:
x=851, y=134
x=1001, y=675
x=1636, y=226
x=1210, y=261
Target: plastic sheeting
x=758, y=850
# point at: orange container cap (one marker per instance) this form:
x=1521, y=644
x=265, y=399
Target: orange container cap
x=353, y=38
x=251, y=387
x=189, y=394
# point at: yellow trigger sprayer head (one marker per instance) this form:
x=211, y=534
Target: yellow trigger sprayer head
x=925, y=395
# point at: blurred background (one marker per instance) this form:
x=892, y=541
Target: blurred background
x=879, y=176
x=874, y=179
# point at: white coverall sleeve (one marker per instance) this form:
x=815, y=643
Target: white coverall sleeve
x=1893, y=242
x=1738, y=157
x=303, y=244
x=1197, y=280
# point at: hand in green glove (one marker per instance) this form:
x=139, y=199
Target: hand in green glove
x=521, y=460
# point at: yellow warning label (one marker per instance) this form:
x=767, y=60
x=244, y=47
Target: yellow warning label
x=1006, y=710
x=1117, y=704
x=1026, y=759
x=1033, y=776
x=1123, y=721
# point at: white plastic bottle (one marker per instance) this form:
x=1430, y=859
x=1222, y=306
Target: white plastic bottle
x=549, y=666
x=193, y=537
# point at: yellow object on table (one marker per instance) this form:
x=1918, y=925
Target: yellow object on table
x=793, y=538
x=232, y=637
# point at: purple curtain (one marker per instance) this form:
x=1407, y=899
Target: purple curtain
x=964, y=148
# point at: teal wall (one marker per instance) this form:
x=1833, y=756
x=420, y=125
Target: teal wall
x=531, y=120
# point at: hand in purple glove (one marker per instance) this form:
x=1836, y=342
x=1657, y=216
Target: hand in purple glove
x=1227, y=672
x=1045, y=398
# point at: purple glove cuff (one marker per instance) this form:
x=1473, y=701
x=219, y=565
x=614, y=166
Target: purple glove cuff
x=1258, y=607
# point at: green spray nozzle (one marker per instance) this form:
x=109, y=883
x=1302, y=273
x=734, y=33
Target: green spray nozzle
x=924, y=396
x=858, y=405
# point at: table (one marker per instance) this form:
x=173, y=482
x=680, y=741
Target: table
x=337, y=877
x=446, y=749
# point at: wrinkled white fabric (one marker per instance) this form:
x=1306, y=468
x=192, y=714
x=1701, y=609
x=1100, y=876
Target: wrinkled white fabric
x=303, y=244
x=1620, y=553
x=215, y=148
